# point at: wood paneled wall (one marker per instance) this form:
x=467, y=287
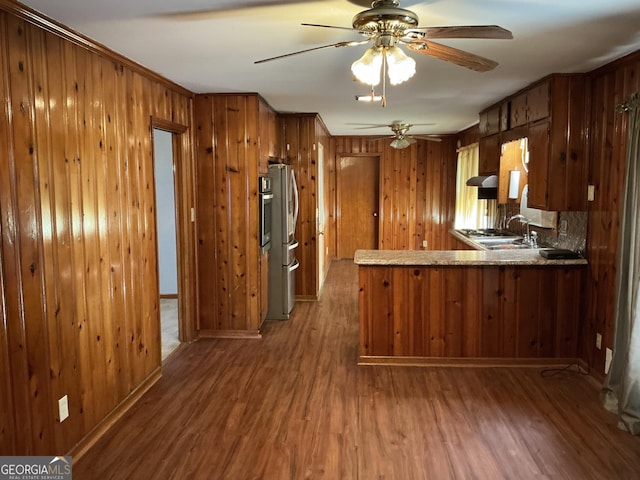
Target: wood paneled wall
x=417, y=191
x=229, y=160
x=610, y=86
x=302, y=134
x=79, y=272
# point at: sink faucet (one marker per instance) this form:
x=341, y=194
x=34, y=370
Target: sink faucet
x=528, y=239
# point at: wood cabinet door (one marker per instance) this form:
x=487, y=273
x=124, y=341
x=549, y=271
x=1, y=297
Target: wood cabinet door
x=357, y=183
x=518, y=114
x=489, y=155
x=538, y=102
x=489, y=121
x=505, y=111
x=538, y=165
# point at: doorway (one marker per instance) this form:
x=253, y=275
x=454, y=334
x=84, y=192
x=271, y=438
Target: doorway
x=166, y=210
x=320, y=215
x=357, y=186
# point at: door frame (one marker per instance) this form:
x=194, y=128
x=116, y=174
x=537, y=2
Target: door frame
x=184, y=188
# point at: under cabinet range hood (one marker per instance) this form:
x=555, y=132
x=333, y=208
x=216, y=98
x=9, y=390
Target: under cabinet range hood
x=487, y=186
x=483, y=181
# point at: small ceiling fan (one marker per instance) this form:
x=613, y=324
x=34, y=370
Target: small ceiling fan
x=387, y=26
x=401, y=138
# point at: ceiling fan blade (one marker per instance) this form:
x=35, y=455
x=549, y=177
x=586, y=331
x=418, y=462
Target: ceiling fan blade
x=469, y=31
x=368, y=126
x=453, y=55
x=328, y=26
x=223, y=7
x=339, y=44
x=425, y=137
x=380, y=138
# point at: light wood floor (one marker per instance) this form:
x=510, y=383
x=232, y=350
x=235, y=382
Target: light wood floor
x=295, y=405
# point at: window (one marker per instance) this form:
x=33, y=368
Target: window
x=470, y=212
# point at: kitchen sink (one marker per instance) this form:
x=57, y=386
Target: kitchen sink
x=503, y=243
x=496, y=239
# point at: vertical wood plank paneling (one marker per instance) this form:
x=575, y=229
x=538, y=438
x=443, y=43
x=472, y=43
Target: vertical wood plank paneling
x=238, y=207
x=417, y=191
x=454, y=299
x=28, y=332
x=223, y=212
x=62, y=276
x=79, y=273
x=206, y=212
x=231, y=268
x=472, y=309
x=251, y=240
x=610, y=85
x=468, y=311
x=113, y=227
x=89, y=145
x=151, y=298
x=68, y=186
x=301, y=140
x=509, y=312
x=9, y=292
x=528, y=286
x=490, y=328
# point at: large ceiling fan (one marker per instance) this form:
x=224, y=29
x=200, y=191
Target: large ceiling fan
x=387, y=26
x=401, y=138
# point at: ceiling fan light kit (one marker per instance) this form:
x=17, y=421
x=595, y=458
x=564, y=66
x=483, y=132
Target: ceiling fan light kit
x=397, y=64
x=367, y=68
x=388, y=25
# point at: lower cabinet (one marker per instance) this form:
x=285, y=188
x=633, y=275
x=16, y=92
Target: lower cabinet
x=499, y=312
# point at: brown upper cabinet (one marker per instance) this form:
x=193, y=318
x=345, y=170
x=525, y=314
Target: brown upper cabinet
x=557, y=146
x=489, y=121
x=552, y=113
x=531, y=105
x=489, y=146
x=489, y=154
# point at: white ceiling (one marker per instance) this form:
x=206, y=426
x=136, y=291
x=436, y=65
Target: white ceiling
x=209, y=46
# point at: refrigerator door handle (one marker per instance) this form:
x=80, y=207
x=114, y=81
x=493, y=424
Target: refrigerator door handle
x=295, y=266
x=294, y=186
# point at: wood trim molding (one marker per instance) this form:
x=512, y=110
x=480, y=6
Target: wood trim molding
x=236, y=334
x=464, y=362
x=167, y=125
x=94, y=435
x=52, y=26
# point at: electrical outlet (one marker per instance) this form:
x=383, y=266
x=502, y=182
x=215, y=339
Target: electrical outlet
x=425, y=243
x=598, y=341
x=591, y=193
x=63, y=408
x=607, y=360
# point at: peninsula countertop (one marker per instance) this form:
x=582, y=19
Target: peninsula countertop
x=458, y=257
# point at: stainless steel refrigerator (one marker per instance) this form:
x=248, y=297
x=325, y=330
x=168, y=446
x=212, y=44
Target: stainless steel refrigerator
x=282, y=258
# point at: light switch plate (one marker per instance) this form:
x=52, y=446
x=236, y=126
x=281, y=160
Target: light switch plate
x=63, y=408
x=598, y=341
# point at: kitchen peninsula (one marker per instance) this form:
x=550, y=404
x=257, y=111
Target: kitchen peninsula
x=506, y=307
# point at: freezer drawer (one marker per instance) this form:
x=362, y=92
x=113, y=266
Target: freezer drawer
x=282, y=290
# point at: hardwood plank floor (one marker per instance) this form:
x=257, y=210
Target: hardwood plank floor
x=295, y=405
